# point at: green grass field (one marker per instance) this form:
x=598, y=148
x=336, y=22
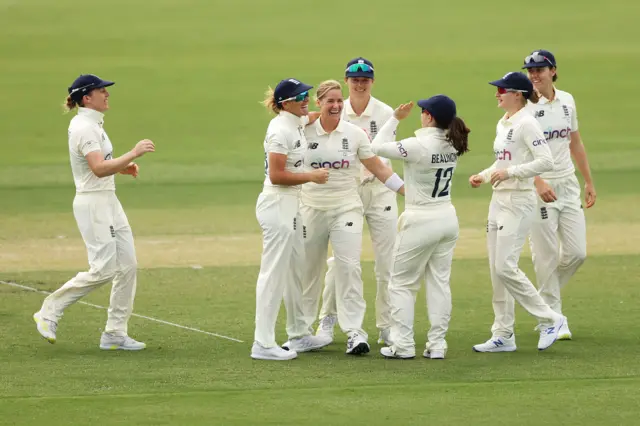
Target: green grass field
x=189, y=76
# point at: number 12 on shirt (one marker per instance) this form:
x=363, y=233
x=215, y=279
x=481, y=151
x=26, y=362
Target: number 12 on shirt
x=442, y=174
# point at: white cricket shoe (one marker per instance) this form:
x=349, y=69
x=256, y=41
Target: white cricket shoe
x=389, y=352
x=497, y=344
x=385, y=337
x=307, y=343
x=548, y=335
x=357, y=344
x=326, y=326
x=111, y=342
x=275, y=353
x=433, y=353
x=46, y=328
x=564, y=333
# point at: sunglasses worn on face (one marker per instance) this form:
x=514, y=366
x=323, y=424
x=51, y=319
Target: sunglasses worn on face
x=502, y=90
x=537, y=58
x=298, y=98
x=359, y=68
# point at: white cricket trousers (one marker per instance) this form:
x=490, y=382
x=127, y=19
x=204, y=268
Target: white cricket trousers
x=112, y=257
x=381, y=213
x=280, y=267
x=510, y=217
x=558, y=240
x=343, y=227
x=424, y=248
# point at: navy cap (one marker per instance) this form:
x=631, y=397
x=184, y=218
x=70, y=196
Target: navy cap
x=515, y=81
x=289, y=88
x=441, y=107
x=359, y=67
x=85, y=84
x=539, y=59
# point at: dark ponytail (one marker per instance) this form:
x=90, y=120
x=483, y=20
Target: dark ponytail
x=458, y=135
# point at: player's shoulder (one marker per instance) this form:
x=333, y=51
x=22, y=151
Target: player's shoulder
x=382, y=109
x=528, y=121
x=565, y=97
x=82, y=125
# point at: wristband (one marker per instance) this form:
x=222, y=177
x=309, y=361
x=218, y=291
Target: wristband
x=394, y=182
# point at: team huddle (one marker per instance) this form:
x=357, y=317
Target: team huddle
x=328, y=171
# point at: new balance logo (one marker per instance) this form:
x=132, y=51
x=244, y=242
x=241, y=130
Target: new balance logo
x=543, y=213
x=500, y=229
x=550, y=330
x=313, y=145
x=498, y=343
x=387, y=209
x=539, y=113
x=297, y=145
x=349, y=224
x=113, y=231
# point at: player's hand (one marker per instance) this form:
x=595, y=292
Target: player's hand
x=319, y=175
x=476, y=181
x=403, y=111
x=499, y=176
x=131, y=169
x=589, y=194
x=313, y=116
x=144, y=146
x=545, y=191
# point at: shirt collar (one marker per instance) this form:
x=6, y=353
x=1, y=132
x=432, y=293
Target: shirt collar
x=92, y=114
x=515, y=118
x=368, y=111
x=429, y=131
x=544, y=100
x=320, y=130
x=291, y=117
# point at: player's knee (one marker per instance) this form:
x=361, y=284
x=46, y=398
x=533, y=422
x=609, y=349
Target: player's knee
x=576, y=257
x=504, y=270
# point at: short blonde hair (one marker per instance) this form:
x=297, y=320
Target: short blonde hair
x=327, y=86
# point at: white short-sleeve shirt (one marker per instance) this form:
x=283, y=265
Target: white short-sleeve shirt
x=86, y=135
x=285, y=135
x=339, y=151
x=558, y=119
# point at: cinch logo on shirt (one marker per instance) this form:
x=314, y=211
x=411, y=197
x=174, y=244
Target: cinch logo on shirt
x=553, y=134
x=344, y=164
x=503, y=155
x=539, y=142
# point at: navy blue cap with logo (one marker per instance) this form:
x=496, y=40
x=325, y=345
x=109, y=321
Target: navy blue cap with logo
x=540, y=58
x=291, y=89
x=441, y=107
x=515, y=82
x=359, y=67
x=85, y=84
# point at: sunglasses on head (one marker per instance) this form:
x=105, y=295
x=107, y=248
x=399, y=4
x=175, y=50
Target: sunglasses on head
x=298, y=98
x=359, y=68
x=502, y=90
x=537, y=58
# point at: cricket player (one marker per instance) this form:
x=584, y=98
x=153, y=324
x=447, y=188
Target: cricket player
x=101, y=220
x=522, y=153
x=428, y=228
x=334, y=212
x=380, y=205
x=278, y=213
x=558, y=233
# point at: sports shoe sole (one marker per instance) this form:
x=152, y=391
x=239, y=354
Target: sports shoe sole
x=565, y=336
x=120, y=348
x=361, y=348
x=509, y=349
x=428, y=356
x=268, y=358
x=38, y=322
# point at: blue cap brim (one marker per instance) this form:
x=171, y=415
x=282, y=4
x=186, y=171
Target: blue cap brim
x=536, y=65
x=104, y=83
x=359, y=74
x=301, y=89
x=422, y=103
x=500, y=83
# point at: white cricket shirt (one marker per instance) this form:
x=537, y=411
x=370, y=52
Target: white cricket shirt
x=558, y=119
x=339, y=151
x=87, y=135
x=521, y=148
x=374, y=116
x=285, y=135
x=429, y=163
